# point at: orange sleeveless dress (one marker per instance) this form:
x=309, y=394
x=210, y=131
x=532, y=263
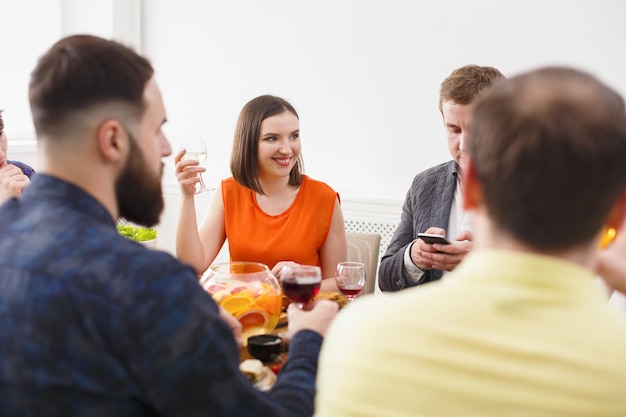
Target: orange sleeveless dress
x=296, y=235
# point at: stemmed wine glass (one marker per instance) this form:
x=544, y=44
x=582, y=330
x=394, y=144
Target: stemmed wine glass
x=196, y=150
x=350, y=278
x=301, y=282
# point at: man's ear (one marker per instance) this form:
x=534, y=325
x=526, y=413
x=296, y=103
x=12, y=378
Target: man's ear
x=472, y=188
x=112, y=140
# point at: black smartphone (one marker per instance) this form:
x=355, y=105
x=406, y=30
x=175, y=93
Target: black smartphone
x=432, y=238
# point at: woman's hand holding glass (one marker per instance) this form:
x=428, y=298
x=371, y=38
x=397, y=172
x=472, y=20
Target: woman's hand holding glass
x=188, y=169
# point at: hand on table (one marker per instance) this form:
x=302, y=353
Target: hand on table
x=328, y=283
x=279, y=267
x=438, y=256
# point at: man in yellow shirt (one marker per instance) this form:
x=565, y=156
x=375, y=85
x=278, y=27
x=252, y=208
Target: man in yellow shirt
x=520, y=327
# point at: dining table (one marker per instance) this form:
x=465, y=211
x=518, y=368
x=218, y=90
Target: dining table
x=281, y=327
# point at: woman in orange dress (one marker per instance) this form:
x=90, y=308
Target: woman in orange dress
x=269, y=211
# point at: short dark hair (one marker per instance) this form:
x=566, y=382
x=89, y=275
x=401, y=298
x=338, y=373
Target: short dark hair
x=81, y=71
x=466, y=83
x=548, y=148
x=1, y=122
x=244, y=160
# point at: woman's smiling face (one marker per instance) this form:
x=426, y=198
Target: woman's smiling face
x=279, y=145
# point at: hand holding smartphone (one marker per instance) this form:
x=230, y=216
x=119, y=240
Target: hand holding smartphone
x=433, y=238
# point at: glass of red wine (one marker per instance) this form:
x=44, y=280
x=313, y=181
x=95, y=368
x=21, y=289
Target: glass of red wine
x=350, y=278
x=301, y=282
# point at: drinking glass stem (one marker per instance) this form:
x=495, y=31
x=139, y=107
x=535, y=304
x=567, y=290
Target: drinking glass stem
x=202, y=186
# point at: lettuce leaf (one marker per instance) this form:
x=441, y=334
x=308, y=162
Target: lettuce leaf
x=138, y=234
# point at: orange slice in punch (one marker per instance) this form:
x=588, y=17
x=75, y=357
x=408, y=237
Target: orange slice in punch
x=252, y=318
x=236, y=304
x=270, y=303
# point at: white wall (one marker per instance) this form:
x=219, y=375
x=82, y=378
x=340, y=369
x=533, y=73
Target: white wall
x=25, y=35
x=29, y=28
x=364, y=75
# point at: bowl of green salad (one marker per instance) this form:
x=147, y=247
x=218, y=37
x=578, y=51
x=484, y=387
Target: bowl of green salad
x=147, y=236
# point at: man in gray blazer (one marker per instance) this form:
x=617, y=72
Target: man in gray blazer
x=434, y=203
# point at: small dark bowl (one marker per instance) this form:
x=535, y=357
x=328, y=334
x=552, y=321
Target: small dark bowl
x=265, y=347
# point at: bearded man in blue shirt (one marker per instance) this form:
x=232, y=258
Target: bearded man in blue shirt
x=93, y=323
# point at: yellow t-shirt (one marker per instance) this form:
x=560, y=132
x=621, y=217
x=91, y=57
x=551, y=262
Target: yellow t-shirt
x=296, y=235
x=505, y=334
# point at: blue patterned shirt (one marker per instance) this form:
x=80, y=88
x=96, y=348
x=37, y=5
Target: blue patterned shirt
x=93, y=324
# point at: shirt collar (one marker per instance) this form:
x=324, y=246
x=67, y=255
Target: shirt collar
x=44, y=187
x=534, y=271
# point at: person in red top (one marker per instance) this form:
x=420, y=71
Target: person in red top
x=269, y=211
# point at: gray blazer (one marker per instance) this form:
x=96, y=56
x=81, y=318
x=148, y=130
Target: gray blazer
x=427, y=204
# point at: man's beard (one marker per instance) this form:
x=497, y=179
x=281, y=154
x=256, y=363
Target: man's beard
x=139, y=194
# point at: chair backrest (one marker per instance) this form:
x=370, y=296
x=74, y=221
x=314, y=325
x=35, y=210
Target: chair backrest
x=364, y=247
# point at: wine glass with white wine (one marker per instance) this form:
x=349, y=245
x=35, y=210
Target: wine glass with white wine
x=195, y=149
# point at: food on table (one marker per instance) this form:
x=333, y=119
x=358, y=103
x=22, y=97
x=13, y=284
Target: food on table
x=137, y=233
x=253, y=369
x=261, y=376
